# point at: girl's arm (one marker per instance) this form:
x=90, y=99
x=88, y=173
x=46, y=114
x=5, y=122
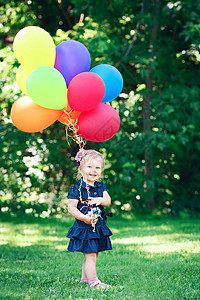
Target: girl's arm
x=73, y=210
x=104, y=201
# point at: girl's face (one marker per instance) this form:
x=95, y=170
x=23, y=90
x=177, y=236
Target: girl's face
x=92, y=170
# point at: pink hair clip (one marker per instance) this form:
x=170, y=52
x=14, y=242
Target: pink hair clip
x=79, y=156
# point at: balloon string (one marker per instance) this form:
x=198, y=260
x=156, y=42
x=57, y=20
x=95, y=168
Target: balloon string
x=84, y=175
x=72, y=126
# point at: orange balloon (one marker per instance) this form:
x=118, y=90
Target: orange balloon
x=65, y=118
x=28, y=116
x=73, y=113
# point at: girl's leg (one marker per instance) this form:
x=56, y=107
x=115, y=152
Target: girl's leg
x=89, y=269
x=89, y=265
x=83, y=276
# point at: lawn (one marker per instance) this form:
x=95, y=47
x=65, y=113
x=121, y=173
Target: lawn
x=151, y=259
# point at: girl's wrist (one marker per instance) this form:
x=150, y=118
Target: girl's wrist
x=100, y=200
x=83, y=218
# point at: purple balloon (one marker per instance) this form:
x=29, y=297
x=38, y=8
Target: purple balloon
x=72, y=58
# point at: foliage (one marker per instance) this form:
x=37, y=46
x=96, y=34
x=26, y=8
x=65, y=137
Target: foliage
x=158, y=255
x=155, y=45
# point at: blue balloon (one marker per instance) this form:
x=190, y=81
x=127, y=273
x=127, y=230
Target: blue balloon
x=112, y=79
x=72, y=58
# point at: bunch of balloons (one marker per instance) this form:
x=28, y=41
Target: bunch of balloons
x=59, y=85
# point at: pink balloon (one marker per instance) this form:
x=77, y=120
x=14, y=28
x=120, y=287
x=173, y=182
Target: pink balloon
x=99, y=124
x=86, y=90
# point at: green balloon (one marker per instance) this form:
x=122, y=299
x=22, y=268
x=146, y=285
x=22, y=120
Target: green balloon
x=46, y=86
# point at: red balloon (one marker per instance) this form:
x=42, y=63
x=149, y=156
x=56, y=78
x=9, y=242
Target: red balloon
x=86, y=90
x=99, y=124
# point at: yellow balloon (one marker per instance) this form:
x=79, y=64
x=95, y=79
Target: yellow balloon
x=34, y=47
x=21, y=76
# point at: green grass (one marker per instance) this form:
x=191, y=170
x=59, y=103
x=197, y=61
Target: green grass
x=151, y=259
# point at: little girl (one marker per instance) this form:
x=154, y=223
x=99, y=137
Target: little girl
x=89, y=234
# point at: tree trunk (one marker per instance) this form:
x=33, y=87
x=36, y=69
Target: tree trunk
x=147, y=104
x=147, y=127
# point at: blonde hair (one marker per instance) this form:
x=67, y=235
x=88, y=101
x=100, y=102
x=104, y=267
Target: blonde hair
x=90, y=154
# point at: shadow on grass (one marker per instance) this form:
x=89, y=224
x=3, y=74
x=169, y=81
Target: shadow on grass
x=161, y=256
x=37, y=272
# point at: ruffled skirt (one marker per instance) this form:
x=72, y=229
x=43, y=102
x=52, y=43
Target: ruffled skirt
x=83, y=239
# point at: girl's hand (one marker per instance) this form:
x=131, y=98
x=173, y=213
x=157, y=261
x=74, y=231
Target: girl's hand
x=104, y=201
x=96, y=201
x=89, y=220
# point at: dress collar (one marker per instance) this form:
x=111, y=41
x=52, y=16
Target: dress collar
x=83, y=185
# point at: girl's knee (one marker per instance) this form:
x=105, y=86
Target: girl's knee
x=90, y=256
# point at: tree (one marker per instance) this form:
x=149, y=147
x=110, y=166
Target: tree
x=155, y=46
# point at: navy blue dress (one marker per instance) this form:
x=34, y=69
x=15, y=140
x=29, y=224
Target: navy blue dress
x=82, y=237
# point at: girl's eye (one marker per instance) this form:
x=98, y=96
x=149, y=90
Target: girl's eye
x=97, y=167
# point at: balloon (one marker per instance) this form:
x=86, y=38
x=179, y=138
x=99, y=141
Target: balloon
x=85, y=91
x=112, y=79
x=64, y=118
x=46, y=87
x=99, y=124
x=34, y=47
x=21, y=76
x=29, y=117
x=73, y=113
x=72, y=58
